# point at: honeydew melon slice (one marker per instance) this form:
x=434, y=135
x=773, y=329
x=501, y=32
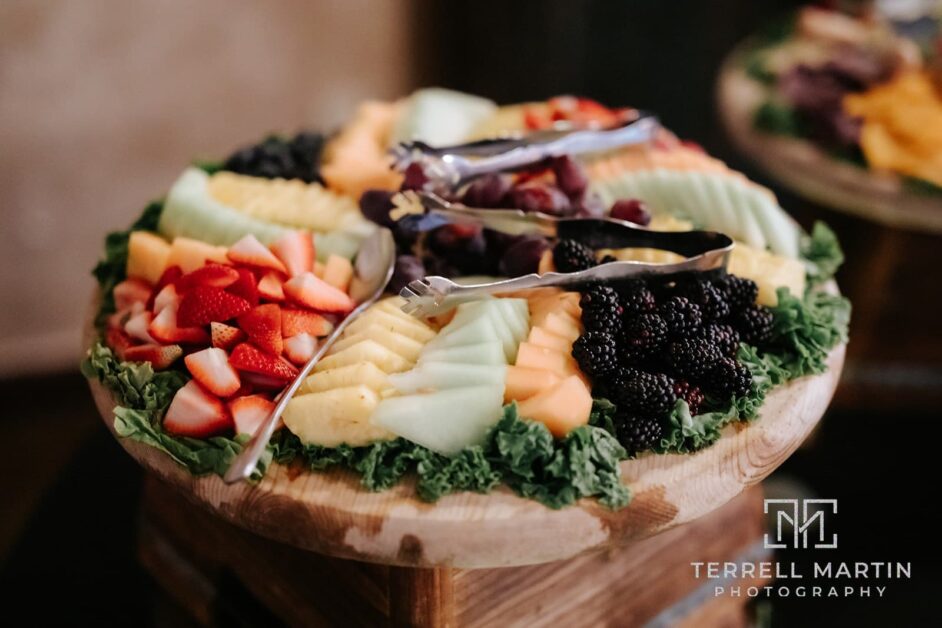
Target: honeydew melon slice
x=472, y=311
x=430, y=376
x=440, y=117
x=473, y=332
x=484, y=353
x=190, y=211
x=516, y=313
x=445, y=421
x=720, y=201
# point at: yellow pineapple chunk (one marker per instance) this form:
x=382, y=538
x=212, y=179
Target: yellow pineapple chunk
x=396, y=342
x=387, y=360
x=769, y=271
x=335, y=417
x=365, y=373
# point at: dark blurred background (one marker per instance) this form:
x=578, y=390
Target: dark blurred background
x=103, y=103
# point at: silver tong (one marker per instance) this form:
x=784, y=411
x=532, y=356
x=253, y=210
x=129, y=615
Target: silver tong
x=452, y=166
x=703, y=251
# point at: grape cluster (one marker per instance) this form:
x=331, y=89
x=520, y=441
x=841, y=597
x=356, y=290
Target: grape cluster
x=649, y=343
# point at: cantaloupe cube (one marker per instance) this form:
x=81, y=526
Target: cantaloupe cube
x=562, y=302
x=318, y=269
x=523, y=382
x=537, y=357
x=541, y=337
x=561, y=324
x=147, y=256
x=191, y=254
x=561, y=408
x=546, y=264
x=338, y=271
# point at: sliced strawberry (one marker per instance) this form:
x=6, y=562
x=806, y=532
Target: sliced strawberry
x=225, y=336
x=165, y=328
x=136, y=327
x=211, y=368
x=296, y=252
x=262, y=382
x=167, y=296
x=271, y=287
x=246, y=357
x=168, y=277
x=263, y=326
x=203, y=305
x=118, y=319
x=249, y=412
x=300, y=348
x=159, y=356
x=317, y=294
x=251, y=252
x=129, y=292
x=119, y=342
x=246, y=286
x=212, y=274
x=294, y=322
x=196, y=413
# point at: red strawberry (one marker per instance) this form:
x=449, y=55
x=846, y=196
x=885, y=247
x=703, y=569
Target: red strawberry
x=166, y=329
x=294, y=322
x=203, y=305
x=211, y=368
x=129, y=292
x=317, y=294
x=300, y=348
x=119, y=341
x=296, y=252
x=224, y=336
x=251, y=252
x=118, y=319
x=271, y=287
x=246, y=286
x=212, y=274
x=159, y=356
x=168, y=295
x=169, y=276
x=247, y=358
x=136, y=327
x=263, y=326
x=249, y=412
x=196, y=413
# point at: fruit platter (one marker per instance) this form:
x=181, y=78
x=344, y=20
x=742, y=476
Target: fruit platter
x=845, y=109
x=592, y=396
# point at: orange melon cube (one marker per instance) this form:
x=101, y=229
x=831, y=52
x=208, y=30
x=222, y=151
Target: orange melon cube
x=523, y=382
x=561, y=324
x=338, y=271
x=147, y=256
x=191, y=254
x=542, y=338
x=537, y=357
x=560, y=408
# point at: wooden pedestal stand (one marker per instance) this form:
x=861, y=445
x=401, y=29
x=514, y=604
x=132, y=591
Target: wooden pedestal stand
x=191, y=553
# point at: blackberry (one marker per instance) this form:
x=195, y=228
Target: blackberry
x=637, y=298
x=740, y=292
x=723, y=336
x=601, y=310
x=692, y=358
x=570, y=256
x=643, y=336
x=647, y=393
x=615, y=381
x=689, y=393
x=683, y=318
x=728, y=378
x=638, y=433
x=277, y=157
x=754, y=325
x=596, y=353
x=709, y=298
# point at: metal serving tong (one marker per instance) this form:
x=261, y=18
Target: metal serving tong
x=702, y=250
x=451, y=166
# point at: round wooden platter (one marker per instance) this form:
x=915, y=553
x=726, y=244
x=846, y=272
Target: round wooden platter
x=803, y=167
x=328, y=512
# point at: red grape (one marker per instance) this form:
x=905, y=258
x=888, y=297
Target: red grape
x=632, y=210
x=414, y=177
x=375, y=205
x=539, y=197
x=488, y=191
x=408, y=268
x=570, y=177
x=523, y=256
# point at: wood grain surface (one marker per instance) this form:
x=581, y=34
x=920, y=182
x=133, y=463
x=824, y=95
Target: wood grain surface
x=802, y=166
x=328, y=512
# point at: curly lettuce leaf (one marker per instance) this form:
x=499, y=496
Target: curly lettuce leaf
x=805, y=330
x=822, y=254
x=111, y=270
